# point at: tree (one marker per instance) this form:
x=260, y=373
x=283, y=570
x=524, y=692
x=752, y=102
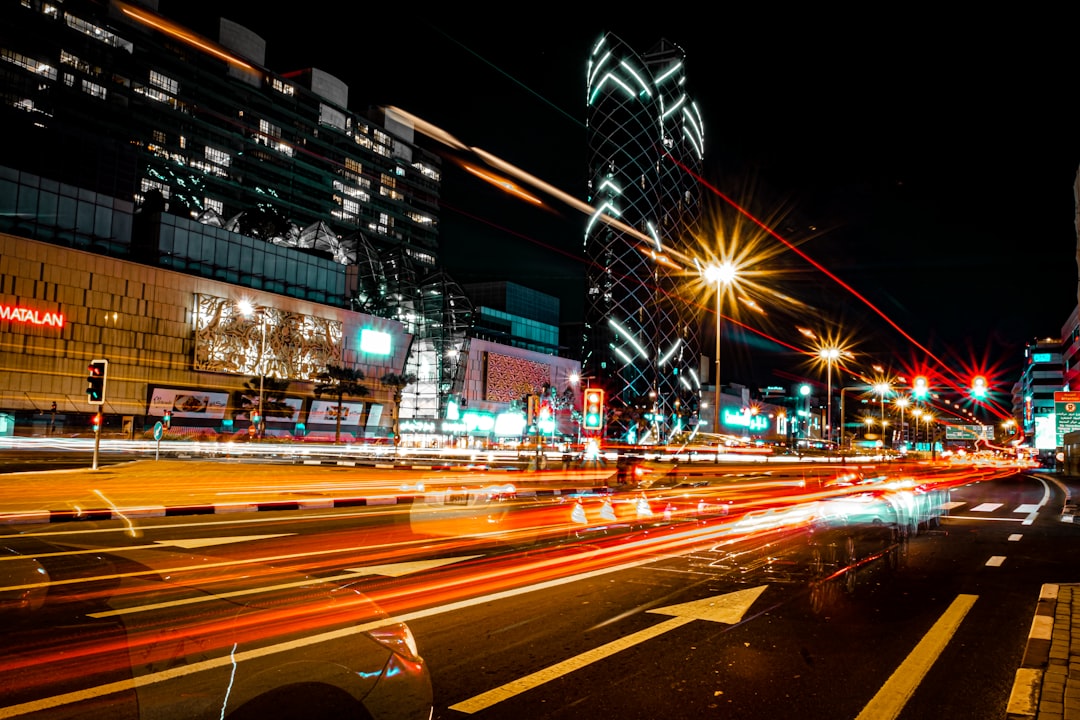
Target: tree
x=337, y=382
x=397, y=383
x=273, y=399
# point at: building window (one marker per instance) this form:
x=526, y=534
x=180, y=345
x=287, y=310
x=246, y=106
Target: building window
x=43, y=69
x=218, y=157
x=270, y=136
x=98, y=33
x=93, y=89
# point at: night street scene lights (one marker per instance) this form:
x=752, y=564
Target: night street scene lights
x=722, y=275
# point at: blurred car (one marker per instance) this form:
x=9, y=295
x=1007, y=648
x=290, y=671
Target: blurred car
x=161, y=634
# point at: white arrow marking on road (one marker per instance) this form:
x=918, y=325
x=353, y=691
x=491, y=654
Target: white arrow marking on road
x=407, y=568
x=193, y=543
x=727, y=609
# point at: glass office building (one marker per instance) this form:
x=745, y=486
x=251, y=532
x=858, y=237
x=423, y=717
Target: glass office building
x=646, y=146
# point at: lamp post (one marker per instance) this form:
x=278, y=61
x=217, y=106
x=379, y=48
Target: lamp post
x=721, y=274
x=842, y=391
x=248, y=310
x=882, y=388
x=902, y=403
x=829, y=355
x=933, y=449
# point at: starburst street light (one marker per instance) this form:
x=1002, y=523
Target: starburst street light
x=901, y=402
x=829, y=356
x=722, y=275
x=882, y=389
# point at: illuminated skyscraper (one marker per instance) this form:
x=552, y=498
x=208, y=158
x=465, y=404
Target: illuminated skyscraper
x=646, y=145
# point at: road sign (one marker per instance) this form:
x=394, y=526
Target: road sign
x=1067, y=411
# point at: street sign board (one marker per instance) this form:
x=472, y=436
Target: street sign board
x=1067, y=410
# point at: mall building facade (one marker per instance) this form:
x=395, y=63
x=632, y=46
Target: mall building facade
x=154, y=182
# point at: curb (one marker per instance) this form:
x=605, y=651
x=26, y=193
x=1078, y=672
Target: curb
x=92, y=514
x=1027, y=690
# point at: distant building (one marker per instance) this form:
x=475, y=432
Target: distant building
x=1042, y=376
x=515, y=315
x=646, y=144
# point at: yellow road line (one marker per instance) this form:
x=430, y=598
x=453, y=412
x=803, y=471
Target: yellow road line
x=553, y=672
x=895, y=693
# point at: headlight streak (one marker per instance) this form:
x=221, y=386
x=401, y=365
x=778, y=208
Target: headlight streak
x=301, y=611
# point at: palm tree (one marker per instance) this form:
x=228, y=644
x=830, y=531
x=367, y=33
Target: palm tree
x=337, y=381
x=397, y=383
x=273, y=399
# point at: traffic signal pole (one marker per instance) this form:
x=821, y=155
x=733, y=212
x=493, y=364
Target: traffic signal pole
x=97, y=441
x=97, y=375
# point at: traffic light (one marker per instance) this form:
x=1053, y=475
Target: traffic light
x=167, y=419
x=96, y=420
x=95, y=381
x=920, y=388
x=594, y=408
x=978, y=387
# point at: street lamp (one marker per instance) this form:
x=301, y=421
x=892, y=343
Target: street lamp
x=929, y=418
x=721, y=274
x=842, y=391
x=902, y=403
x=882, y=388
x=248, y=310
x=829, y=355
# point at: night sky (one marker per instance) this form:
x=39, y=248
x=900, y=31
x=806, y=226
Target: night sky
x=925, y=162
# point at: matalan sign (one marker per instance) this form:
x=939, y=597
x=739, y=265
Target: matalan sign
x=30, y=316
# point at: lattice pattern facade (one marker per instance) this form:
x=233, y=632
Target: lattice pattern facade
x=646, y=144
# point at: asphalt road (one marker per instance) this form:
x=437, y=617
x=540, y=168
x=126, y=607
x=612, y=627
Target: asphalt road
x=628, y=625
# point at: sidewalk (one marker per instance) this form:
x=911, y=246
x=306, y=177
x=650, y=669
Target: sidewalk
x=1047, y=685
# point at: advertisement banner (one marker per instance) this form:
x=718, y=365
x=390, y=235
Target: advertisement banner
x=325, y=412
x=251, y=402
x=187, y=403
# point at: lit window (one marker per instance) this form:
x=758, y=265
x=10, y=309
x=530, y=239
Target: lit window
x=218, y=157
x=93, y=89
x=28, y=63
x=281, y=87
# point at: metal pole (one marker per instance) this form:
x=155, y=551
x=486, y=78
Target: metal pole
x=828, y=401
x=97, y=438
x=716, y=397
x=842, y=423
x=262, y=371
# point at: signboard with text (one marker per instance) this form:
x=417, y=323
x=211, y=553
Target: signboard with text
x=1067, y=409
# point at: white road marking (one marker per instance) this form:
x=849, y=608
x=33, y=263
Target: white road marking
x=1015, y=537
x=1027, y=508
x=986, y=507
x=728, y=609
x=995, y=561
x=953, y=505
x=894, y=694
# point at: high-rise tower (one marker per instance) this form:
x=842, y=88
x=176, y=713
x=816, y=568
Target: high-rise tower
x=646, y=146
